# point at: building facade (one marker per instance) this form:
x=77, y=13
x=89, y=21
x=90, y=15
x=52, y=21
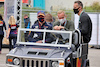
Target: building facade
x=58, y=4
x=1, y=3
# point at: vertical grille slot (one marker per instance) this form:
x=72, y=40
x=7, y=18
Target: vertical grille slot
x=23, y=63
x=32, y=63
x=47, y=63
x=27, y=63
x=41, y=63
x=35, y=63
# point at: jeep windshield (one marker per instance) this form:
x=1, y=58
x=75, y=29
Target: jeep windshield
x=47, y=37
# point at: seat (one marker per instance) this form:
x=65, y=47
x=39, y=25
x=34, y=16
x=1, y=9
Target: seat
x=75, y=40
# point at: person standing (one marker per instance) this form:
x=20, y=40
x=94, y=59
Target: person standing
x=62, y=23
x=12, y=32
x=85, y=23
x=2, y=25
x=27, y=25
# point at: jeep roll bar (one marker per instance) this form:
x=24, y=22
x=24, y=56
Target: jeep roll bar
x=44, y=31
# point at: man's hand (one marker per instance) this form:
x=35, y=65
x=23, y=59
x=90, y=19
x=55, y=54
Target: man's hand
x=58, y=27
x=55, y=27
x=61, y=27
x=40, y=41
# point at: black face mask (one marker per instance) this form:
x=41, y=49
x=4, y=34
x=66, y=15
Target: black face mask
x=41, y=20
x=76, y=11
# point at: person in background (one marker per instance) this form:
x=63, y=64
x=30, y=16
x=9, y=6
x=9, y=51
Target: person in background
x=27, y=25
x=62, y=23
x=41, y=24
x=49, y=19
x=2, y=25
x=12, y=32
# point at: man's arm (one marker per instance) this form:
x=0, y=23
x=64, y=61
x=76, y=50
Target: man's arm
x=30, y=35
x=48, y=36
x=5, y=27
x=72, y=27
x=69, y=26
x=56, y=24
x=84, y=24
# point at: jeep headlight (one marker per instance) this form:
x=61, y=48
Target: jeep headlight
x=16, y=61
x=55, y=64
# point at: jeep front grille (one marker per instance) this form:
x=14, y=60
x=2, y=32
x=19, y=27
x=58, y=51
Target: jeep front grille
x=35, y=63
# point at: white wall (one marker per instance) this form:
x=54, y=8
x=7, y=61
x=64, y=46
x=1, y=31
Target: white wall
x=58, y=4
x=33, y=18
x=95, y=21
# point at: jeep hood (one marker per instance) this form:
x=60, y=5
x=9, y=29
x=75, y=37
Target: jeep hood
x=40, y=52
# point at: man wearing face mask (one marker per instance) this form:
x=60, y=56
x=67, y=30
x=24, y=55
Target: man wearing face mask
x=85, y=24
x=62, y=23
x=27, y=25
x=40, y=24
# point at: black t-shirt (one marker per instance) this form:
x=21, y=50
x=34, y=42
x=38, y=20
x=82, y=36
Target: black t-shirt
x=13, y=28
x=2, y=25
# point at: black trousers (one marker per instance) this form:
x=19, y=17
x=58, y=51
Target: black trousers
x=14, y=38
x=1, y=38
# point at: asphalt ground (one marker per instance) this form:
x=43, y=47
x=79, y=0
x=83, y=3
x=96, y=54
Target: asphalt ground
x=94, y=57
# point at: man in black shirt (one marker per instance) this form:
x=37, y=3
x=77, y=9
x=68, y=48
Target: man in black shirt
x=2, y=25
x=85, y=23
